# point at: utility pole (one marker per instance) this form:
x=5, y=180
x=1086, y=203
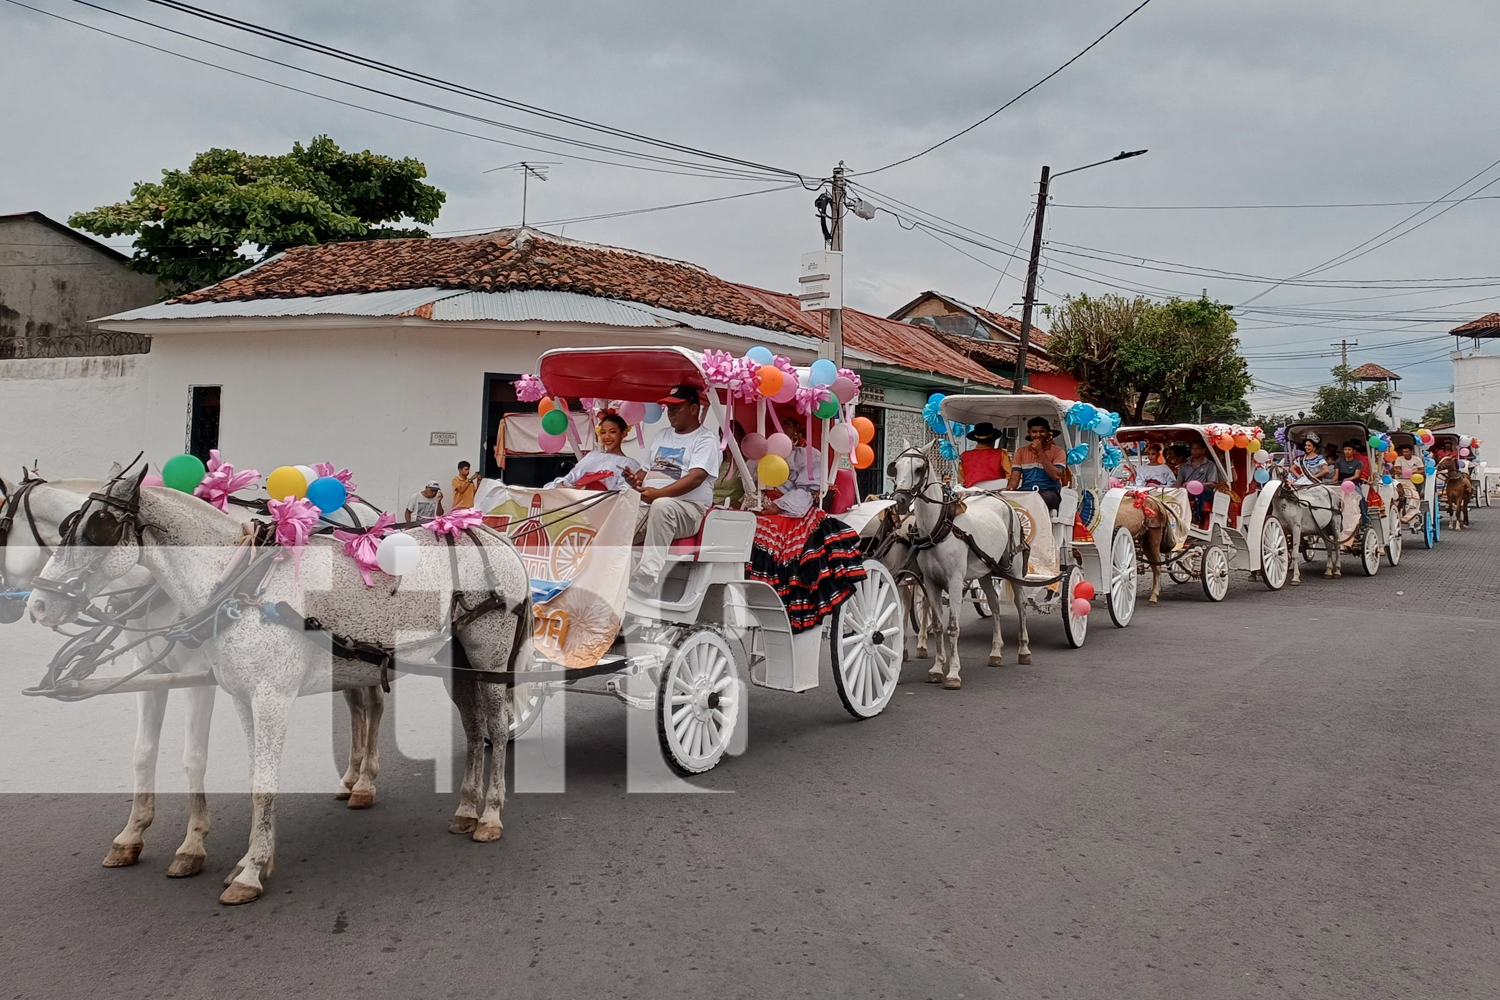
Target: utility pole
x=1030, y=301
x=836, y=243
x=1343, y=347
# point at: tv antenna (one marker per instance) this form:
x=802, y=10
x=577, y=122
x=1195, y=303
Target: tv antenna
x=527, y=169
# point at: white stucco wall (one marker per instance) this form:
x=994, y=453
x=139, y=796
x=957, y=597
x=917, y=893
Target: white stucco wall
x=1476, y=401
x=75, y=415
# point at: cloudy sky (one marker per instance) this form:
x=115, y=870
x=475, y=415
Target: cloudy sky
x=1277, y=103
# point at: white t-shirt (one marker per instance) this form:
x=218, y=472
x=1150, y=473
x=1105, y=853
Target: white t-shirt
x=1406, y=466
x=1155, y=475
x=599, y=461
x=673, y=455
x=424, y=508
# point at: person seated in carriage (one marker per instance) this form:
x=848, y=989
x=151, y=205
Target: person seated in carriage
x=605, y=467
x=984, y=462
x=1154, y=471
x=677, y=487
x=1352, y=467
x=796, y=496
x=1199, y=467
x=1041, y=466
x=1406, y=463
x=1311, y=468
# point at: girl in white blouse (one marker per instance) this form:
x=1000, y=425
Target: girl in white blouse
x=605, y=464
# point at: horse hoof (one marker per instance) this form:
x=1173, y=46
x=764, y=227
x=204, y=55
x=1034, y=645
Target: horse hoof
x=229, y=879
x=463, y=824
x=486, y=833
x=1151, y=601
x=238, y=893
x=361, y=800
x=952, y=683
x=185, y=865
x=1024, y=659
x=122, y=855
x=997, y=661
x=934, y=677
x=343, y=793
x=922, y=653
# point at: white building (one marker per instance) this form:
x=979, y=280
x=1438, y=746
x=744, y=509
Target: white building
x=396, y=358
x=1476, y=385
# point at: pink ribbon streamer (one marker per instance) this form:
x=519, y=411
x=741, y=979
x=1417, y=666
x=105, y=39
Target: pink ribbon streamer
x=295, y=522
x=343, y=475
x=455, y=521
x=361, y=546
x=222, y=480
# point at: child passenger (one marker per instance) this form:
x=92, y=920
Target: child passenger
x=602, y=468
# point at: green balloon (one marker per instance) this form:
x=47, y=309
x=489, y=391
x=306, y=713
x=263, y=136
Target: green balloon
x=826, y=409
x=183, y=473
x=555, y=422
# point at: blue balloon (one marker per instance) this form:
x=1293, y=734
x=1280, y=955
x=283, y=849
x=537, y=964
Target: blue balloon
x=760, y=355
x=823, y=372
x=936, y=398
x=1262, y=476
x=1385, y=480
x=327, y=494
x=653, y=412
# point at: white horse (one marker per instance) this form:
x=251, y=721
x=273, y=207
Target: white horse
x=264, y=658
x=895, y=550
x=960, y=539
x=1312, y=510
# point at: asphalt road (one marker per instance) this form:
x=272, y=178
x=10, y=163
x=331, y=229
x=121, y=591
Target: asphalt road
x=1282, y=795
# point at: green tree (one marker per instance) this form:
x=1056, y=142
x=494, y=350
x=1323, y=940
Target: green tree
x=229, y=209
x=1349, y=399
x=1138, y=356
x=1438, y=414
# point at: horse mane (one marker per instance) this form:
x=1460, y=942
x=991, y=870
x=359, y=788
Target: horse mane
x=185, y=519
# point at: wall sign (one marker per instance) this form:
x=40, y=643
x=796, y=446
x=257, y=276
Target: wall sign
x=443, y=439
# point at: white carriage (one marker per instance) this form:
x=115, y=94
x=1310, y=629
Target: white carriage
x=1428, y=524
x=1380, y=533
x=685, y=656
x=1238, y=530
x=1106, y=560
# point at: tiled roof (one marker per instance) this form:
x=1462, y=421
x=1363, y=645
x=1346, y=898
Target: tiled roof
x=500, y=261
x=995, y=351
x=1484, y=326
x=1009, y=324
x=1374, y=373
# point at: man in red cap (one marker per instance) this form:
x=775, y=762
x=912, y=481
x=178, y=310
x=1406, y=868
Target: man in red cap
x=677, y=484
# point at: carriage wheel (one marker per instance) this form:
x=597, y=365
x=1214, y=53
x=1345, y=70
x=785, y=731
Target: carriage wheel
x=1437, y=522
x=1369, y=551
x=526, y=701
x=698, y=702
x=1075, y=627
x=1180, y=569
x=1214, y=572
x=1429, y=533
x=570, y=550
x=866, y=643
x=1393, y=547
x=981, y=600
x=1275, y=555
x=1122, y=579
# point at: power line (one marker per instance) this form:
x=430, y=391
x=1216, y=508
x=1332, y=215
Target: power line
x=1215, y=208
x=1084, y=51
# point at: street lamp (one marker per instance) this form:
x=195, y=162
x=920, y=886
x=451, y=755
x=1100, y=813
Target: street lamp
x=1036, y=255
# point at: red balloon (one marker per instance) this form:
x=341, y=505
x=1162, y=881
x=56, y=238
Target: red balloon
x=1084, y=590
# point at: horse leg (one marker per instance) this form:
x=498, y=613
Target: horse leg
x=949, y=636
x=1335, y=565
x=192, y=854
x=1294, y=541
x=495, y=703
x=463, y=689
x=1023, y=635
x=933, y=595
x=355, y=699
x=362, y=794
x=268, y=711
x=151, y=707
x=924, y=613
x=1153, y=555
x=997, y=640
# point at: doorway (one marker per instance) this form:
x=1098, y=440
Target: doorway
x=872, y=480
x=203, y=420
x=520, y=470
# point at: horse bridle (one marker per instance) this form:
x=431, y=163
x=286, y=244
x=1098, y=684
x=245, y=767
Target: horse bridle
x=100, y=529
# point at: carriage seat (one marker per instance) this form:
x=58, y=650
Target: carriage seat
x=724, y=536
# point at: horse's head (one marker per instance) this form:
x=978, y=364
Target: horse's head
x=909, y=472
x=100, y=542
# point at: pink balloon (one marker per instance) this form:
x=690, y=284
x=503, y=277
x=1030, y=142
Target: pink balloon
x=1194, y=487
x=632, y=412
x=779, y=445
x=843, y=389
x=1081, y=607
x=1115, y=482
x=753, y=446
x=788, y=391
x=1348, y=486
x=152, y=479
x=1464, y=452
x=552, y=443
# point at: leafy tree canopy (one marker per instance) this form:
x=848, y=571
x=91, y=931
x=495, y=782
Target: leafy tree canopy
x=1349, y=399
x=1438, y=414
x=229, y=209
x=1162, y=358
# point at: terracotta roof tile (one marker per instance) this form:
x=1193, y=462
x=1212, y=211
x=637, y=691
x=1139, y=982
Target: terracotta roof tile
x=1372, y=372
x=995, y=351
x=1484, y=326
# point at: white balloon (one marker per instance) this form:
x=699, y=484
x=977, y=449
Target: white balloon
x=308, y=472
x=842, y=438
x=398, y=554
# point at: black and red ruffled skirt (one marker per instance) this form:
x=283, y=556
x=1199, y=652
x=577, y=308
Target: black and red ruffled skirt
x=813, y=562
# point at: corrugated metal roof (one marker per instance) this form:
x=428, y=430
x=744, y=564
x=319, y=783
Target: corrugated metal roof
x=531, y=305
x=392, y=303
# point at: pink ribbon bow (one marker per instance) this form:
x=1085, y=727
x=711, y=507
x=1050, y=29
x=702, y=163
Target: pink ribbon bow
x=455, y=521
x=295, y=522
x=343, y=475
x=361, y=546
x=529, y=389
x=222, y=480
x=809, y=396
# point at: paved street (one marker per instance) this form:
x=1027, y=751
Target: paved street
x=1282, y=795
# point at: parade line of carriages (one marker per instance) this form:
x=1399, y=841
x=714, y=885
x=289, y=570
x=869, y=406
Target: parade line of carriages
x=174, y=580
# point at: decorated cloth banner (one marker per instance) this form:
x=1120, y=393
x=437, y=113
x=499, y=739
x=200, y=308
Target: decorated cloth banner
x=1036, y=523
x=576, y=548
x=522, y=432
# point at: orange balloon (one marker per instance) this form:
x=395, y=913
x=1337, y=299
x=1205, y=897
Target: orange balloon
x=771, y=380
x=1242, y=441
x=545, y=405
x=865, y=428
x=864, y=455
x=1226, y=442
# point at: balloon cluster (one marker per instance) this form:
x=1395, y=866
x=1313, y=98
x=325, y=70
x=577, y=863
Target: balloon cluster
x=827, y=393
x=1078, y=454
x=932, y=412
x=1111, y=456
x=327, y=492
x=1092, y=418
x=555, y=420
x=1230, y=436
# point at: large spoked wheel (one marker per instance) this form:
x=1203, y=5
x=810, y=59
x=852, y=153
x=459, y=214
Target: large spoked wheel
x=698, y=702
x=526, y=701
x=1437, y=522
x=866, y=643
x=1275, y=555
x=1075, y=627
x=1369, y=555
x=1429, y=530
x=1393, y=547
x=1182, y=569
x=1215, y=572
x=1122, y=579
